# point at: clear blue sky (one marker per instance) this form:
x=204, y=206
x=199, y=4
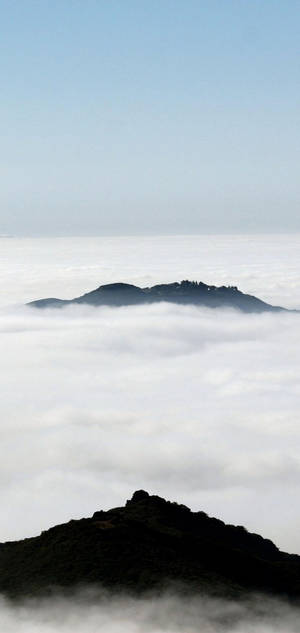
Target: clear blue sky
x=161, y=116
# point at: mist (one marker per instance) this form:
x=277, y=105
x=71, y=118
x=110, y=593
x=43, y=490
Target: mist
x=196, y=405
x=88, y=611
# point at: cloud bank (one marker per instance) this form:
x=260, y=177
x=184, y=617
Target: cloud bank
x=196, y=405
x=93, y=610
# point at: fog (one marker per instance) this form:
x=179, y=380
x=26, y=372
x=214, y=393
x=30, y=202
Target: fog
x=91, y=611
x=196, y=405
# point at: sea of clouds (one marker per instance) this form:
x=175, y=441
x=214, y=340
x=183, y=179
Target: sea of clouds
x=199, y=406
x=94, y=611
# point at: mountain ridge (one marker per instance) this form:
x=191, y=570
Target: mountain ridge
x=184, y=293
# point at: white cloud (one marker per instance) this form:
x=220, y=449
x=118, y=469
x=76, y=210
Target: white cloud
x=199, y=406
x=180, y=400
x=94, y=610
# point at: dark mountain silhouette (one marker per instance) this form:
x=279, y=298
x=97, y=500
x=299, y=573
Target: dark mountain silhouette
x=148, y=544
x=185, y=292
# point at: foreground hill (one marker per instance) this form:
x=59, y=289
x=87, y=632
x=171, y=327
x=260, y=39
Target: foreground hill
x=185, y=292
x=148, y=544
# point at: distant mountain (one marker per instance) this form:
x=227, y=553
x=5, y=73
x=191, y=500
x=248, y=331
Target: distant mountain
x=185, y=292
x=148, y=544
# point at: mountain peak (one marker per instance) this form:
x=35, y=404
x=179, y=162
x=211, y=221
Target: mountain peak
x=148, y=544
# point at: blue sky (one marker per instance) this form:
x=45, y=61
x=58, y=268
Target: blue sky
x=149, y=116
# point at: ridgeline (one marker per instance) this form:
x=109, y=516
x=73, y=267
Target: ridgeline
x=185, y=292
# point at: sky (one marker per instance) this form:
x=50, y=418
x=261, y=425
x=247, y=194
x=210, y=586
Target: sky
x=139, y=117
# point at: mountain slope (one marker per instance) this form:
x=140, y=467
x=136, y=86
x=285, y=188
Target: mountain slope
x=148, y=544
x=185, y=292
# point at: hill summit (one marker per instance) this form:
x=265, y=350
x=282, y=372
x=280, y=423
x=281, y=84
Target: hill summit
x=148, y=544
x=184, y=293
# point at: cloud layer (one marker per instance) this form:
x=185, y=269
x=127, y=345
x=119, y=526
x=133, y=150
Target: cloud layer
x=90, y=611
x=196, y=405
